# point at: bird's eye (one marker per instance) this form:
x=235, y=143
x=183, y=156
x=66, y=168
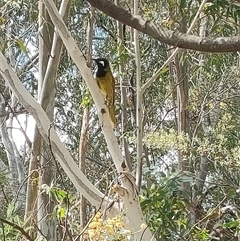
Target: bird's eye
x=102, y=63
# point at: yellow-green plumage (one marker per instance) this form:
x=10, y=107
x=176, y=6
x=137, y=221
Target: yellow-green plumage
x=106, y=83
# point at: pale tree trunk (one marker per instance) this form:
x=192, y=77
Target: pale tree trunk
x=132, y=93
x=85, y=125
x=45, y=41
x=205, y=124
x=173, y=90
x=46, y=223
x=183, y=113
x=82, y=162
x=8, y=145
x=139, y=104
x=50, y=47
x=20, y=166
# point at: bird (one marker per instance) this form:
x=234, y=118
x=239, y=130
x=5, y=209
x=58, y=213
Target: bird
x=106, y=84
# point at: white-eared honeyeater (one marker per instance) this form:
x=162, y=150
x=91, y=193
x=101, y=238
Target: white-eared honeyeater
x=106, y=83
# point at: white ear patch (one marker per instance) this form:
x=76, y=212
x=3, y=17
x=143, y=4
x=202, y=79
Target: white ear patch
x=102, y=63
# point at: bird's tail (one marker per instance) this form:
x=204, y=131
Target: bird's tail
x=112, y=116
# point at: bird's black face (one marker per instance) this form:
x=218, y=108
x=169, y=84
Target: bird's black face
x=103, y=66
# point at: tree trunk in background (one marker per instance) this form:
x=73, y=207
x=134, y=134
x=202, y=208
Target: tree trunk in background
x=202, y=172
x=46, y=224
x=33, y=182
x=123, y=89
x=85, y=125
x=19, y=162
x=50, y=47
x=209, y=121
x=7, y=107
x=82, y=162
x=45, y=41
x=7, y=141
x=182, y=96
x=182, y=103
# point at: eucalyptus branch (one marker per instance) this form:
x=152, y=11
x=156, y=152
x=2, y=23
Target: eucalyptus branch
x=164, y=35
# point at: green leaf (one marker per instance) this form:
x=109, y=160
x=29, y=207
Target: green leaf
x=21, y=45
x=231, y=224
x=164, y=70
x=145, y=202
x=10, y=209
x=61, y=212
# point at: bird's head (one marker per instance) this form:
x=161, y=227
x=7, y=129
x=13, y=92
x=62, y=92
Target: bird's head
x=103, y=66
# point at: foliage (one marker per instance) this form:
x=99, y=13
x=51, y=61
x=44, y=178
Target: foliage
x=164, y=206
x=8, y=230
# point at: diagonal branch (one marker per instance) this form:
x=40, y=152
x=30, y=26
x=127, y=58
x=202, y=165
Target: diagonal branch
x=20, y=229
x=164, y=35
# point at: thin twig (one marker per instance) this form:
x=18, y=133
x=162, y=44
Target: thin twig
x=143, y=233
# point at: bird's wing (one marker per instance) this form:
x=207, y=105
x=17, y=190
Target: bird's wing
x=113, y=86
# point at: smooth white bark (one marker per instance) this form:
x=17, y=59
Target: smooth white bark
x=139, y=103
